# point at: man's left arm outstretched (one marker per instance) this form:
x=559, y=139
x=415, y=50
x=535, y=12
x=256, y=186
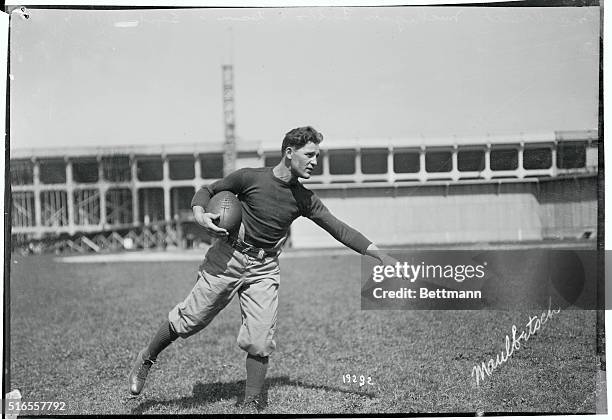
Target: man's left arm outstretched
x=344, y=233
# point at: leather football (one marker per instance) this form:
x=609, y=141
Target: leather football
x=229, y=209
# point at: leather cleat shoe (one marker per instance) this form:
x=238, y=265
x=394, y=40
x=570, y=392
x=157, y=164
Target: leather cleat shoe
x=252, y=404
x=139, y=372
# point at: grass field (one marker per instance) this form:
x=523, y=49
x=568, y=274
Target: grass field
x=76, y=328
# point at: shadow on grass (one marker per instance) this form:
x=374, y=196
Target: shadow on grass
x=208, y=393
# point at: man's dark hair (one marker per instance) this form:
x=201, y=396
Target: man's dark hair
x=298, y=137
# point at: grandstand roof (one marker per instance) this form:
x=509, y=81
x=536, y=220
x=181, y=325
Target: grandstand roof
x=245, y=146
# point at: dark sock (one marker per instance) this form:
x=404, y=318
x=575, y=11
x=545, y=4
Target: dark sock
x=163, y=338
x=256, y=367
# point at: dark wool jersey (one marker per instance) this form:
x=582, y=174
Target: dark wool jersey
x=270, y=205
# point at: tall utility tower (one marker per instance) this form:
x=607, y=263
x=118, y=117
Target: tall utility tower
x=229, y=148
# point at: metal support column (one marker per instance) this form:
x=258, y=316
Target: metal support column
x=520, y=169
x=175, y=204
x=37, y=206
x=422, y=165
x=553, y=166
x=390, y=165
x=102, y=187
x=197, y=179
x=487, y=173
x=70, y=196
x=135, y=205
x=166, y=186
x=358, y=173
x=455, y=163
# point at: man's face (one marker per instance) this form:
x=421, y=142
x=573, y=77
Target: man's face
x=304, y=160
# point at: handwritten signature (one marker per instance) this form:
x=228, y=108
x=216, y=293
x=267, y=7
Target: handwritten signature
x=513, y=344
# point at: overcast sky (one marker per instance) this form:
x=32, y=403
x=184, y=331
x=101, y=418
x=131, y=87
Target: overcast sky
x=154, y=76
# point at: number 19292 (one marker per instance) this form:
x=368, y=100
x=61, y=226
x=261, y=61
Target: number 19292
x=354, y=379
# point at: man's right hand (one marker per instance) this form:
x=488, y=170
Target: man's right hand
x=206, y=220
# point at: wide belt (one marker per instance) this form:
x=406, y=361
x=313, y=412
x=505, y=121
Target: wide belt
x=248, y=249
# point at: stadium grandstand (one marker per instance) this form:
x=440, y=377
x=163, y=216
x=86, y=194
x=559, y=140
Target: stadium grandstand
x=492, y=188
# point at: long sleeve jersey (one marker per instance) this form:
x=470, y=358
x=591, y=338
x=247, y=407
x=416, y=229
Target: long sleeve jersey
x=270, y=205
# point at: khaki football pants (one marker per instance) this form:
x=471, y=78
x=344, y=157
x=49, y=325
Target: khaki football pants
x=224, y=273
